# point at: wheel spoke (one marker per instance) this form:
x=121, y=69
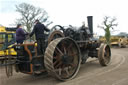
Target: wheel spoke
x=74, y=54
x=68, y=48
x=66, y=69
x=60, y=70
x=56, y=62
x=63, y=66
x=72, y=65
x=63, y=47
x=59, y=51
x=58, y=65
x=65, y=51
x=57, y=55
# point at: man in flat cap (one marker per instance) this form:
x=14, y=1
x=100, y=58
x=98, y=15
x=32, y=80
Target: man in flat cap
x=39, y=29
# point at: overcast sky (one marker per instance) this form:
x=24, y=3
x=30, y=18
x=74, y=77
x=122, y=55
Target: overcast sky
x=74, y=12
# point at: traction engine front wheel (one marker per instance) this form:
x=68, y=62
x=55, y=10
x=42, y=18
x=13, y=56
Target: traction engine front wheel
x=104, y=54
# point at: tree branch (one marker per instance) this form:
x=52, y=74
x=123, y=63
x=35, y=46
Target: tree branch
x=29, y=13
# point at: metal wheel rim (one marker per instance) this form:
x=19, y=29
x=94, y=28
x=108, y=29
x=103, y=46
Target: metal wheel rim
x=107, y=55
x=104, y=54
x=55, y=67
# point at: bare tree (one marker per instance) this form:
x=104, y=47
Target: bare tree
x=108, y=23
x=29, y=13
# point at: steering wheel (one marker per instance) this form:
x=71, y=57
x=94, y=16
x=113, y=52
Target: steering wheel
x=57, y=27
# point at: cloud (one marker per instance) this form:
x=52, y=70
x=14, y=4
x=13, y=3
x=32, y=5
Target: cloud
x=8, y=19
x=73, y=12
x=7, y=6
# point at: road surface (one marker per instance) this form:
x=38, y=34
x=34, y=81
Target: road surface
x=91, y=73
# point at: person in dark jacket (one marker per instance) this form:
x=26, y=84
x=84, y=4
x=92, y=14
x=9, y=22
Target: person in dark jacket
x=20, y=34
x=40, y=36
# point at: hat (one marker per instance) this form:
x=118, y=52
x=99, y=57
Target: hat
x=18, y=25
x=36, y=20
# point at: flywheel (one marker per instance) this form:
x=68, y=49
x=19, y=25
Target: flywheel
x=62, y=58
x=55, y=34
x=104, y=54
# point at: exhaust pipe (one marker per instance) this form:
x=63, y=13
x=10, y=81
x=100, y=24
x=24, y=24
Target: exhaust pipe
x=90, y=24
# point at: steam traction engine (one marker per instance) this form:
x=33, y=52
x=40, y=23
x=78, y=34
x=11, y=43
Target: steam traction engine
x=65, y=50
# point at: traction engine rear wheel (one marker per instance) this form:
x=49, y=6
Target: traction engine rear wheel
x=62, y=58
x=104, y=54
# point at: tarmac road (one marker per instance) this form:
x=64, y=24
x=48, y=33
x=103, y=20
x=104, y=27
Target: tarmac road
x=91, y=73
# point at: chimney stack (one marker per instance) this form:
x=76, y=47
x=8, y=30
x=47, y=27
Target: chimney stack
x=90, y=24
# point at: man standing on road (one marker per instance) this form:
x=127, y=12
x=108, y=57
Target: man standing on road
x=40, y=36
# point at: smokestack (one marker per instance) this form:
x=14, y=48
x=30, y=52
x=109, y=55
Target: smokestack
x=90, y=24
